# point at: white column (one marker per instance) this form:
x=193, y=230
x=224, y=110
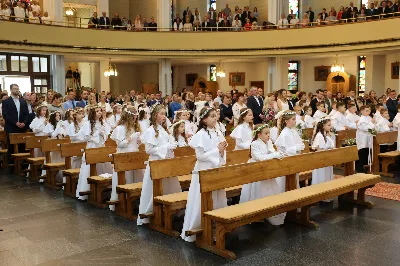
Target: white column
x=104, y=81
x=275, y=74
x=275, y=9
x=57, y=70
x=164, y=14
x=103, y=6
x=55, y=9
x=164, y=76
x=86, y=74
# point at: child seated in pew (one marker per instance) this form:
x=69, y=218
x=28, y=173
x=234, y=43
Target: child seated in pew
x=352, y=113
x=340, y=121
x=219, y=126
x=38, y=125
x=308, y=119
x=299, y=119
x=210, y=147
x=127, y=136
x=95, y=132
x=322, y=141
x=334, y=109
x=396, y=124
x=158, y=147
x=244, y=130
x=364, y=138
x=262, y=149
x=178, y=136
x=320, y=113
x=383, y=125
x=143, y=119
x=289, y=142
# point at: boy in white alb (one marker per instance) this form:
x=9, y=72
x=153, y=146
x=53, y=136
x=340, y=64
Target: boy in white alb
x=364, y=138
x=334, y=109
x=383, y=125
x=308, y=119
x=320, y=113
x=339, y=120
x=352, y=116
x=377, y=115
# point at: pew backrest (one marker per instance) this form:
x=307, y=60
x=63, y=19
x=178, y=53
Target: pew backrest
x=309, y=132
x=129, y=161
x=52, y=145
x=99, y=155
x=110, y=143
x=184, y=151
x=19, y=138
x=231, y=143
x=73, y=149
x=230, y=176
x=343, y=135
x=381, y=138
x=34, y=142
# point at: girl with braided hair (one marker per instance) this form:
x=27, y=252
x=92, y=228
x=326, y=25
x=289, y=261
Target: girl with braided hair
x=210, y=147
x=158, y=147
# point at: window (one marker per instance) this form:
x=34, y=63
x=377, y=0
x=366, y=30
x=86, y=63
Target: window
x=213, y=72
x=3, y=63
x=213, y=4
x=362, y=61
x=366, y=3
x=293, y=75
x=294, y=5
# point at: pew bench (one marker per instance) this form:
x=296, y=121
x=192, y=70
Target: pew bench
x=35, y=163
x=229, y=218
x=19, y=156
x=383, y=138
x=166, y=206
x=387, y=159
x=53, y=168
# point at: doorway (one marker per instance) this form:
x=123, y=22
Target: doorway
x=258, y=84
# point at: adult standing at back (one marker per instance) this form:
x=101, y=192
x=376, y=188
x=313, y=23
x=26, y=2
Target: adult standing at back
x=16, y=115
x=70, y=103
x=84, y=101
x=283, y=103
x=255, y=104
x=320, y=98
x=391, y=104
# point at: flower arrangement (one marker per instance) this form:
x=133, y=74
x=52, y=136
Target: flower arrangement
x=373, y=132
x=268, y=116
x=349, y=142
x=334, y=131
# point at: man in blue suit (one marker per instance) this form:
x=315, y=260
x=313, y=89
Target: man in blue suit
x=16, y=115
x=84, y=101
x=71, y=103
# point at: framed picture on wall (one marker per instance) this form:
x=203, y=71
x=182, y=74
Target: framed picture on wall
x=237, y=78
x=190, y=79
x=321, y=73
x=395, y=70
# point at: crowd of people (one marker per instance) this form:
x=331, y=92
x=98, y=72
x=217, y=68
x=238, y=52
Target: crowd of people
x=23, y=11
x=376, y=10
x=163, y=123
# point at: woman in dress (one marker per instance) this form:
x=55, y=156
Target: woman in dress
x=188, y=26
x=282, y=101
x=138, y=23
x=237, y=106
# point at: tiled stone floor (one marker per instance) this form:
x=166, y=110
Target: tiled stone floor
x=42, y=227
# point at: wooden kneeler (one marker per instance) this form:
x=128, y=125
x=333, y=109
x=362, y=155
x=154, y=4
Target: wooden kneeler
x=69, y=150
x=48, y=146
x=19, y=156
x=32, y=143
x=98, y=184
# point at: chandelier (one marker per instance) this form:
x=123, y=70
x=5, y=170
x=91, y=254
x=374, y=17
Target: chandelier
x=69, y=12
x=111, y=71
x=336, y=67
x=220, y=70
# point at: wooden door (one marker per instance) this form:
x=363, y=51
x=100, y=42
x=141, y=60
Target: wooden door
x=258, y=84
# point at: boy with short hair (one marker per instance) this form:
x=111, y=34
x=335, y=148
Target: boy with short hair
x=363, y=137
x=320, y=113
x=339, y=119
x=351, y=113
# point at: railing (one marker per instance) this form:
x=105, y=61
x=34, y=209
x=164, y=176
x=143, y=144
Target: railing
x=71, y=22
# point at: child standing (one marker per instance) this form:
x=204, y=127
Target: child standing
x=54, y=127
x=126, y=135
x=383, y=125
x=299, y=119
x=352, y=113
x=261, y=149
x=339, y=120
x=334, y=109
x=72, y=131
x=364, y=138
x=113, y=120
x=95, y=131
x=322, y=141
x=143, y=120
x=210, y=148
x=396, y=124
x=219, y=126
x=156, y=140
x=289, y=142
x=244, y=130
x=38, y=125
x=320, y=113
x=308, y=119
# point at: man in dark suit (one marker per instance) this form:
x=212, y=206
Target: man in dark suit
x=320, y=98
x=224, y=25
x=246, y=13
x=372, y=12
x=206, y=24
x=323, y=14
x=351, y=9
x=310, y=14
x=116, y=21
x=212, y=14
x=31, y=110
x=16, y=114
x=104, y=21
x=391, y=104
x=84, y=101
x=152, y=25
x=383, y=10
x=255, y=103
x=351, y=97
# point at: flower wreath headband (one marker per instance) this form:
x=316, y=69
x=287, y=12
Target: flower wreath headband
x=284, y=113
x=177, y=123
x=323, y=119
x=258, y=130
x=154, y=106
x=209, y=109
x=245, y=111
x=132, y=113
x=54, y=112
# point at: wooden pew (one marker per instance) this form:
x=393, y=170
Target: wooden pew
x=19, y=156
x=166, y=206
x=32, y=143
x=231, y=143
x=69, y=150
x=309, y=132
x=110, y=143
x=98, y=184
x=344, y=134
x=386, y=158
x=129, y=193
x=48, y=146
x=229, y=218
x=3, y=150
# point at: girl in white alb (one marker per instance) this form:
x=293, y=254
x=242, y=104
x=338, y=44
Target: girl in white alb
x=158, y=147
x=243, y=132
x=178, y=136
x=308, y=119
x=113, y=120
x=73, y=133
x=322, y=141
x=68, y=119
x=289, y=142
x=95, y=132
x=210, y=148
x=219, y=126
x=364, y=138
x=396, y=124
x=127, y=136
x=262, y=149
x=143, y=120
x=38, y=125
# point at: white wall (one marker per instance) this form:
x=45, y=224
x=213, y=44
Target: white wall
x=179, y=79
x=389, y=82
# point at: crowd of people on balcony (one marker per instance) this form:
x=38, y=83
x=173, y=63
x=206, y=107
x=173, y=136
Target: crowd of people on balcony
x=23, y=11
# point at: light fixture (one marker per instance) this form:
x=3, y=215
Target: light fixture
x=220, y=70
x=111, y=71
x=69, y=12
x=336, y=67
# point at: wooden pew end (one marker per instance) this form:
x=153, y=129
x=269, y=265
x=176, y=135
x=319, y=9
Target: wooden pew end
x=146, y=215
